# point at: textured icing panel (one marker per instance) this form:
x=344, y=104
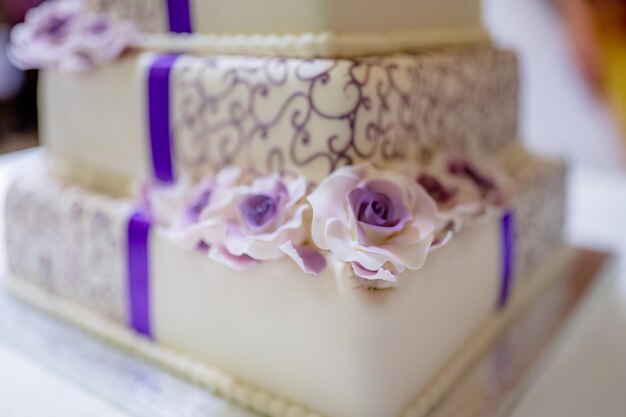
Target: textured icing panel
x=70, y=242
x=540, y=211
x=148, y=15
x=296, y=17
x=306, y=116
x=315, y=116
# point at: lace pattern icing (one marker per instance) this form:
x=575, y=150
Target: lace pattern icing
x=69, y=243
x=540, y=213
x=313, y=116
x=148, y=15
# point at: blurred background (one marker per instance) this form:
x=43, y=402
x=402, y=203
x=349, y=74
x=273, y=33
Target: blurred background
x=18, y=90
x=573, y=57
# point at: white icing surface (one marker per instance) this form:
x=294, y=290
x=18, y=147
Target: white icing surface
x=256, y=398
x=97, y=120
x=341, y=351
x=339, y=16
x=291, y=114
x=303, y=16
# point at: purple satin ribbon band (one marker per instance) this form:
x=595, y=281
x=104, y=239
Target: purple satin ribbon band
x=160, y=128
x=139, y=274
x=508, y=258
x=179, y=13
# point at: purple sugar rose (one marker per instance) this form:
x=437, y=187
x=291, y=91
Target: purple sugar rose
x=384, y=226
x=243, y=221
x=377, y=213
x=64, y=35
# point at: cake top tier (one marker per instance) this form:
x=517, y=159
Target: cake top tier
x=334, y=27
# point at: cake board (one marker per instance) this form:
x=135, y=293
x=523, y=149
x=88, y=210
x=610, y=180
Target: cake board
x=485, y=380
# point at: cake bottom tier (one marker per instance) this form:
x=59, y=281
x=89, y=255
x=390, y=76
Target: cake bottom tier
x=320, y=344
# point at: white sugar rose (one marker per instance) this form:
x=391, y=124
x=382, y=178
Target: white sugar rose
x=380, y=222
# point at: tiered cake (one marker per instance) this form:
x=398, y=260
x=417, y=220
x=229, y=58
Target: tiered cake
x=309, y=210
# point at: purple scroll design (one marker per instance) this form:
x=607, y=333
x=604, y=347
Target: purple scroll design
x=245, y=91
x=147, y=15
x=200, y=116
x=275, y=113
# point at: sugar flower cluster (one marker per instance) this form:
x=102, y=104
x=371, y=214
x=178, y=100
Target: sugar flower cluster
x=64, y=35
x=377, y=223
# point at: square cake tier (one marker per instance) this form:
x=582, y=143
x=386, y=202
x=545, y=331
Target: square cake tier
x=331, y=347
x=171, y=116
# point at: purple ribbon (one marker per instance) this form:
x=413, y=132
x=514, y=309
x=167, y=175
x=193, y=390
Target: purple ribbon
x=508, y=258
x=179, y=13
x=139, y=274
x=159, y=117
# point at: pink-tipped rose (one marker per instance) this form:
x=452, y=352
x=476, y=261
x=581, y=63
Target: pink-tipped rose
x=465, y=192
x=63, y=35
x=380, y=222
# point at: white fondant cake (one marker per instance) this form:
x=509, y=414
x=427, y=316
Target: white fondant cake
x=319, y=236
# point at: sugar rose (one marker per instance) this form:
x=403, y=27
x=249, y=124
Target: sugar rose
x=241, y=221
x=380, y=222
x=64, y=35
x=465, y=191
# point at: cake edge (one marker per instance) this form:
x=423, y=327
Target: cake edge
x=314, y=45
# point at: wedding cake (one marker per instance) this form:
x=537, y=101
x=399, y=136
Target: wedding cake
x=313, y=208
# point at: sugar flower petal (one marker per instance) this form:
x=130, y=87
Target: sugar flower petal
x=309, y=259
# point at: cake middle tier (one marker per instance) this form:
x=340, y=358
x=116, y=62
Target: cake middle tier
x=166, y=116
